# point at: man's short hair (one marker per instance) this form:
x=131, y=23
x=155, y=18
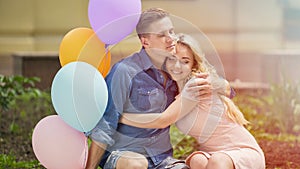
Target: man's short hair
x=148, y=17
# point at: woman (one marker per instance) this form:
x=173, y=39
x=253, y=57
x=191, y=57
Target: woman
x=214, y=121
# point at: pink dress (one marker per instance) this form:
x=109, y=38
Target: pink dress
x=215, y=132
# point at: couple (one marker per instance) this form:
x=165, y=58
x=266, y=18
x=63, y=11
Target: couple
x=214, y=120
x=137, y=85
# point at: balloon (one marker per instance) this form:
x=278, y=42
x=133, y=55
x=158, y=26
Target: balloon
x=113, y=20
x=57, y=145
x=105, y=65
x=82, y=44
x=79, y=95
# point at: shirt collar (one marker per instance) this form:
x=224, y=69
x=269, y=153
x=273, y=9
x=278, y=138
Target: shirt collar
x=145, y=60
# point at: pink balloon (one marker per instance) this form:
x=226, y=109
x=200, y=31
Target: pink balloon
x=57, y=145
x=113, y=20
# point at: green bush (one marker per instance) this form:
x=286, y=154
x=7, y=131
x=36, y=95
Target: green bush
x=276, y=112
x=38, y=101
x=253, y=108
x=283, y=107
x=22, y=105
x=13, y=86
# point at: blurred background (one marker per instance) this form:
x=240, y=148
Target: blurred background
x=258, y=41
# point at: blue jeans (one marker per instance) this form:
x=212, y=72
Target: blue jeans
x=112, y=159
x=169, y=162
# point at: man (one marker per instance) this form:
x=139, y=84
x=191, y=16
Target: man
x=137, y=85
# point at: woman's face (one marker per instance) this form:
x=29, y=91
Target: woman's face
x=180, y=65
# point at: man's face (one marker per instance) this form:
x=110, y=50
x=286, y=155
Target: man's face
x=161, y=35
x=160, y=40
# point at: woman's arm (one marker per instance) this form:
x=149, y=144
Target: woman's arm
x=179, y=108
x=194, y=90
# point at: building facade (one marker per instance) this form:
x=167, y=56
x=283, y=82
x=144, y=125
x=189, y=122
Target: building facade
x=255, y=40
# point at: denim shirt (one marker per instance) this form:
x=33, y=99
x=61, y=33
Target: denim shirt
x=135, y=86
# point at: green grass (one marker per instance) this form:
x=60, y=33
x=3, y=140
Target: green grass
x=9, y=161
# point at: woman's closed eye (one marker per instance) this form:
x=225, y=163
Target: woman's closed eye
x=183, y=61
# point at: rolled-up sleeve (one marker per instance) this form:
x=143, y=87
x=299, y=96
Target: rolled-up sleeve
x=100, y=133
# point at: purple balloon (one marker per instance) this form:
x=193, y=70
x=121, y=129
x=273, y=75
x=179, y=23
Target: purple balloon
x=113, y=20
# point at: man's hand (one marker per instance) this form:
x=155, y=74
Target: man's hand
x=220, y=85
x=197, y=88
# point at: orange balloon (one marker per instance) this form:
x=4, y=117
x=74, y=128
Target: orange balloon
x=105, y=64
x=82, y=44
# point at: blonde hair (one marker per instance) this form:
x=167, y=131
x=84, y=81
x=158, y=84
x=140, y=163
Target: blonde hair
x=202, y=65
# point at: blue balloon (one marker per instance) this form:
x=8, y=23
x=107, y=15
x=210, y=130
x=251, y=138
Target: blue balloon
x=79, y=95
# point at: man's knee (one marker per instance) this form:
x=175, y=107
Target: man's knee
x=131, y=160
x=198, y=161
x=138, y=164
x=220, y=160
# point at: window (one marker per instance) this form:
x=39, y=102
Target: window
x=291, y=28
